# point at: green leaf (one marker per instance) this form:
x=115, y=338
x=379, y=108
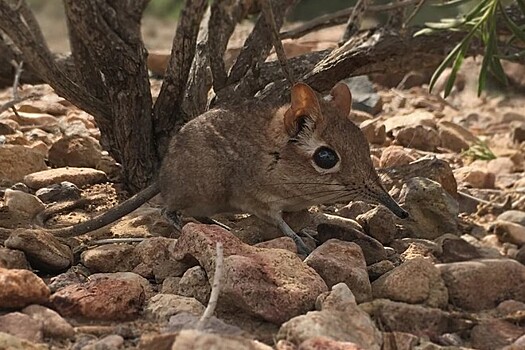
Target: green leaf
x=455, y=68
x=424, y=31
x=451, y=3
x=446, y=62
x=521, y=4
x=445, y=24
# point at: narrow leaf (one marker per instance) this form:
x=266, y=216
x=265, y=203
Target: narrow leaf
x=455, y=68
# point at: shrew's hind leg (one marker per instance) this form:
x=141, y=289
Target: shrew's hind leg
x=287, y=230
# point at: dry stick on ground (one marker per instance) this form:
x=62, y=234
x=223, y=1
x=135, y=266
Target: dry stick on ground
x=215, y=288
x=167, y=114
x=337, y=18
x=266, y=8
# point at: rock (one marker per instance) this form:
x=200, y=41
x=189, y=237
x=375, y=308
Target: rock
x=379, y=268
x=519, y=344
x=433, y=212
x=23, y=204
x=520, y=256
x=53, y=325
x=518, y=133
x=41, y=248
x=156, y=261
x=379, y=223
x=170, y=285
x=6, y=129
x=31, y=118
x=279, y=243
x=162, y=306
x=509, y=307
x=110, y=258
x=272, y=284
x=194, y=283
x=475, y=177
x=18, y=161
x=374, y=131
x=454, y=249
x=395, y=156
x=74, y=275
x=8, y=341
x=320, y=343
x=19, y=288
x=101, y=299
x=58, y=192
x=156, y=341
x=418, y=117
x=416, y=250
x=112, y=341
x=364, y=95
x=193, y=339
x=78, y=176
x=339, y=319
x=515, y=216
x=353, y=209
x=13, y=259
x=338, y=261
x=372, y=249
x=76, y=151
x=416, y=281
x=184, y=320
x=420, y=137
x=509, y=232
x=501, y=165
x=22, y=326
x=494, y=334
x=455, y=137
x=399, y=341
x=415, y=319
x=500, y=279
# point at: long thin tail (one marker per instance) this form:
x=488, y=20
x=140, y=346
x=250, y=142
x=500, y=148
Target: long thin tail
x=111, y=215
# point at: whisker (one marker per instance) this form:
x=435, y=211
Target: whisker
x=323, y=193
x=303, y=183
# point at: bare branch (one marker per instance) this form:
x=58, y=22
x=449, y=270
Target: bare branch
x=167, y=110
x=337, y=18
x=266, y=8
x=354, y=20
x=258, y=44
x=14, y=102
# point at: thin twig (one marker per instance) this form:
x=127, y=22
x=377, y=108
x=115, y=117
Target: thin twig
x=12, y=103
x=215, y=288
x=354, y=20
x=337, y=18
x=16, y=81
x=266, y=8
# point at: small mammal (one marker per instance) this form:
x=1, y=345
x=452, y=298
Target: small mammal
x=264, y=161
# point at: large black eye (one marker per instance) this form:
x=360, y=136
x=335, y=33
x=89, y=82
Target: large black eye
x=325, y=158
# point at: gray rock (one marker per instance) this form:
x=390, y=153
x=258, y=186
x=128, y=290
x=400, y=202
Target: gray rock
x=22, y=326
x=433, y=212
x=364, y=95
x=379, y=223
x=482, y=284
x=53, y=325
x=353, y=209
x=339, y=319
x=13, y=259
x=509, y=232
x=110, y=342
x=156, y=261
x=110, y=258
x=495, y=334
x=193, y=339
x=162, y=306
x=419, y=320
x=11, y=342
x=58, y=192
x=170, y=285
x=515, y=216
x=338, y=261
x=372, y=249
x=454, y=249
x=379, y=268
x=42, y=249
x=194, y=283
x=416, y=281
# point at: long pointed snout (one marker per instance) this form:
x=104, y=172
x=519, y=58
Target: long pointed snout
x=385, y=199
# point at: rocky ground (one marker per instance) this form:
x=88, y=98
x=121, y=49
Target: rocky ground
x=451, y=277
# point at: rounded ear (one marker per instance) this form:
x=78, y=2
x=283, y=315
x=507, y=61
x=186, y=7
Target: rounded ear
x=304, y=103
x=341, y=98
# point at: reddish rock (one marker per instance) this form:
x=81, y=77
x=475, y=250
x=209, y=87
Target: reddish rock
x=494, y=334
x=19, y=288
x=22, y=326
x=273, y=284
x=101, y=298
x=379, y=223
x=76, y=151
x=78, y=176
x=18, y=161
x=324, y=343
x=395, y=156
